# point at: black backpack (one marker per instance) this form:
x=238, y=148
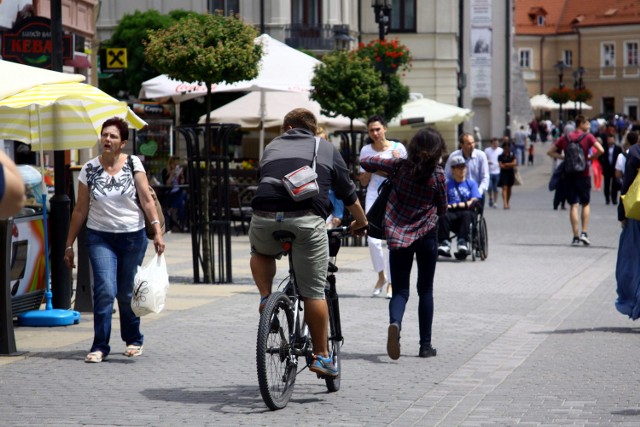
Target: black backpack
x=574, y=158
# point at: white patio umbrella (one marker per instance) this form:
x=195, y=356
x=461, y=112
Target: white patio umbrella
x=572, y=105
x=246, y=111
x=426, y=111
x=17, y=77
x=282, y=68
x=543, y=102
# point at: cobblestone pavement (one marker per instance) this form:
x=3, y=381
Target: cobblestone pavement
x=528, y=337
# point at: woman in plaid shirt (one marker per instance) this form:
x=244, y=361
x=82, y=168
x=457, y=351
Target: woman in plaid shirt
x=418, y=198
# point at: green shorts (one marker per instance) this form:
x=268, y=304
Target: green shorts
x=310, y=249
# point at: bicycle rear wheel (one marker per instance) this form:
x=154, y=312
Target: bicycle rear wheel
x=277, y=366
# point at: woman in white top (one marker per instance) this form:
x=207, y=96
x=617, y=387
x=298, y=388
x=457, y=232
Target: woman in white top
x=108, y=192
x=379, y=146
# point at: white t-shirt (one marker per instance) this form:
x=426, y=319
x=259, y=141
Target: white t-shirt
x=621, y=161
x=376, y=180
x=492, y=159
x=113, y=200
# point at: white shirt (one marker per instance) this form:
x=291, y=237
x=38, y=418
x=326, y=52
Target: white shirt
x=113, y=200
x=492, y=159
x=376, y=180
x=621, y=161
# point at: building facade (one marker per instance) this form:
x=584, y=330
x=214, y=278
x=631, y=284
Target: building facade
x=587, y=44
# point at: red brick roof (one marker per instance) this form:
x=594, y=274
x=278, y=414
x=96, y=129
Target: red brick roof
x=561, y=16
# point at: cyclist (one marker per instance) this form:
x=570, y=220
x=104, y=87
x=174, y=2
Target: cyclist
x=274, y=209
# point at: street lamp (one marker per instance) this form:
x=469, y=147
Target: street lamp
x=560, y=66
x=578, y=84
x=382, y=11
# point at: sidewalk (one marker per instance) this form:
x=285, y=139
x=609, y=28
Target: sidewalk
x=528, y=337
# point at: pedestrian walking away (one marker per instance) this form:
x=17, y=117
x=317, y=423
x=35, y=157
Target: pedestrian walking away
x=275, y=210
x=112, y=197
x=578, y=183
x=416, y=201
x=379, y=146
x=520, y=140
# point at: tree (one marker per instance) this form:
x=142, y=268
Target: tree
x=345, y=83
x=131, y=33
x=208, y=49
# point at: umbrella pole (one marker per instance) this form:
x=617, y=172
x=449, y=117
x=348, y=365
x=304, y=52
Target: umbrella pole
x=263, y=113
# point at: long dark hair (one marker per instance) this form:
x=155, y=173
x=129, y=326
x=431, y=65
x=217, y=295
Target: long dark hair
x=423, y=154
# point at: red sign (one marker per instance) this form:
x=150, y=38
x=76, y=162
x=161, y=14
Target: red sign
x=31, y=43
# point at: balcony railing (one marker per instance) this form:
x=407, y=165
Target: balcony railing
x=315, y=37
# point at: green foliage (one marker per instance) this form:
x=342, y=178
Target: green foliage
x=398, y=96
x=206, y=48
x=346, y=84
x=131, y=33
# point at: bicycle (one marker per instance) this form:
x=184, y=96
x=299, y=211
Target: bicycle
x=283, y=335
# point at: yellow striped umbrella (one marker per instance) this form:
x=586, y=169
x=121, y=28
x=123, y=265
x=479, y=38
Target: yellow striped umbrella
x=61, y=116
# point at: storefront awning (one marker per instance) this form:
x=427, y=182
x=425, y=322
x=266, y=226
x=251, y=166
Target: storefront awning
x=78, y=61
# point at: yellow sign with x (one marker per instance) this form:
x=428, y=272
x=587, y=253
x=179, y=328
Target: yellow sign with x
x=117, y=57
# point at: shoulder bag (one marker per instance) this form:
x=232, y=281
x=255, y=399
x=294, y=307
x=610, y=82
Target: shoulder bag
x=631, y=199
x=377, y=212
x=148, y=227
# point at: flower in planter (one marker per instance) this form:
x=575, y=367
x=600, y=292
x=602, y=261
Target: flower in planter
x=388, y=56
x=560, y=95
x=581, y=95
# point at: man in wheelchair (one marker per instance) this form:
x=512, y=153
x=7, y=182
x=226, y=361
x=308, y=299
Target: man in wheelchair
x=463, y=197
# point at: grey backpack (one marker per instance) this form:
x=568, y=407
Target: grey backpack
x=574, y=158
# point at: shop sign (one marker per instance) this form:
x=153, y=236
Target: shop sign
x=31, y=43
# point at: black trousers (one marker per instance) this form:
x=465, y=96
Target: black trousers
x=611, y=189
x=458, y=221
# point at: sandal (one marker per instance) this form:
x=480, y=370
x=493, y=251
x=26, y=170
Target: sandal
x=263, y=302
x=95, y=357
x=133, y=350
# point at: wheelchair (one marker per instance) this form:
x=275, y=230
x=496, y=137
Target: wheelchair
x=478, y=238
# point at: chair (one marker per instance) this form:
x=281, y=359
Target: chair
x=240, y=207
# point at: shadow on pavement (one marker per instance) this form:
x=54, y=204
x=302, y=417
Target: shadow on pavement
x=586, y=330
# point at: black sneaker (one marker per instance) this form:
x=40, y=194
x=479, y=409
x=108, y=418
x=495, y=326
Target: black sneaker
x=576, y=241
x=426, y=350
x=584, y=238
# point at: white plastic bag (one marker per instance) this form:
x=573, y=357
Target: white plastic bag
x=150, y=287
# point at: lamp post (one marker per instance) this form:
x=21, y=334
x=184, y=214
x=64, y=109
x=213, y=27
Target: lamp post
x=382, y=11
x=560, y=66
x=578, y=84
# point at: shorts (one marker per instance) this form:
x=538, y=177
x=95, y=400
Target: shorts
x=310, y=249
x=578, y=190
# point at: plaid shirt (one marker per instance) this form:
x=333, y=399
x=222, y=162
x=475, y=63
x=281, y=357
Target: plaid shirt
x=413, y=208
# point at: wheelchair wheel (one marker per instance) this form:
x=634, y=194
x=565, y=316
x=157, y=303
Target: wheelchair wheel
x=483, y=239
x=473, y=236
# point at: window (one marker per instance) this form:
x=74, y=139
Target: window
x=567, y=57
x=403, y=16
x=608, y=55
x=524, y=56
x=307, y=12
x=540, y=20
x=631, y=54
x=227, y=6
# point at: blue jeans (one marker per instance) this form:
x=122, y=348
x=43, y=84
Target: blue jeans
x=520, y=154
x=114, y=260
x=400, y=263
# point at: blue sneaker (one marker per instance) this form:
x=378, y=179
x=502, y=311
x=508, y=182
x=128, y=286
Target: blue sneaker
x=323, y=366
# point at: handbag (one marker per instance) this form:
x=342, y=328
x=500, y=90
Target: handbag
x=148, y=227
x=377, y=212
x=517, y=178
x=631, y=199
x=150, y=287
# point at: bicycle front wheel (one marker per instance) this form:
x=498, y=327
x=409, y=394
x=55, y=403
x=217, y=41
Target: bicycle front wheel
x=276, y=363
